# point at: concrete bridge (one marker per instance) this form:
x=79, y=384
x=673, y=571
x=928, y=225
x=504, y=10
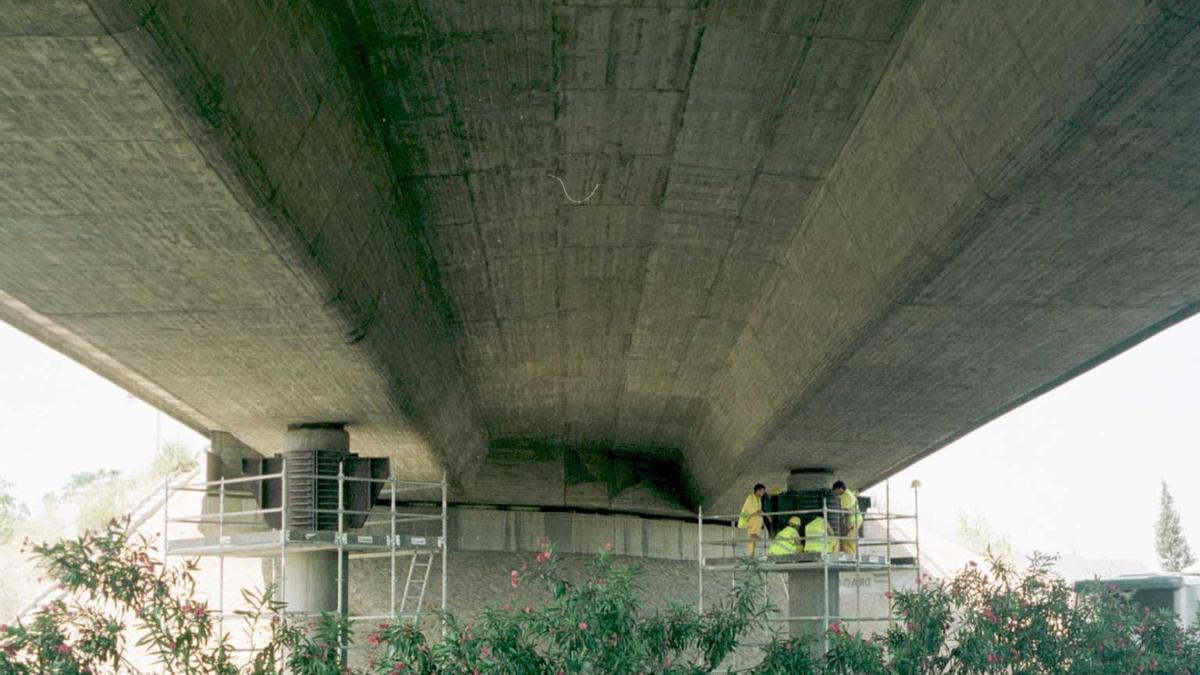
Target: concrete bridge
x=570, y=251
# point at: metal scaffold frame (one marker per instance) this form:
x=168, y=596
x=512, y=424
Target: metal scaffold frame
x=825, y=562
x=272, y=543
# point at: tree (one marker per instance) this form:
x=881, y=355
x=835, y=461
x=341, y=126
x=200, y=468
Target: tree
x=12, y=511
x=173, y=458
x=976, y=535
x=1172, y=547
x=82, y=480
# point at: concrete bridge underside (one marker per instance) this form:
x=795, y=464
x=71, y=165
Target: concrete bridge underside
x=733, y=236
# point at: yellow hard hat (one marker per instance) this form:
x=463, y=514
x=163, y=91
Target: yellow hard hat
x=794, y=520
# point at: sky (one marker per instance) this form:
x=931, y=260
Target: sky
x=1077, y=470
x=58, y=418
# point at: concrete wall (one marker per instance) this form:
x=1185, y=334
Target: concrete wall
x=563, y=476
x=480, y=579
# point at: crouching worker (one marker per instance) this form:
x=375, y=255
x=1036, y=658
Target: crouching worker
x=787, y=541
x=817, y=537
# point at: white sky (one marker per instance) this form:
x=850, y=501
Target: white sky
x=58, y=418
x=1079, y=469
x=1075, y=470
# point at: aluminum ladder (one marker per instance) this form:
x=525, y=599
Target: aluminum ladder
x=415, y=584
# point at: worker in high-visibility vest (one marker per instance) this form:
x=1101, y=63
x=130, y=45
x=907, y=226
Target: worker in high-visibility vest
x=788, y=539
x=816, y=537
x=851, y=520
x=751, y=518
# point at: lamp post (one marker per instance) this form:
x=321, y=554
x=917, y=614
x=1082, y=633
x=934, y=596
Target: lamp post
x=916, y=487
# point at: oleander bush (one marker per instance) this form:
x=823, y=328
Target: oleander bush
x=999, y=620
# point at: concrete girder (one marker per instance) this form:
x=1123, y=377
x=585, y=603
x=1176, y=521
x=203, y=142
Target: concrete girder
x=170, y=203
x=994, y=226
x=834, y=234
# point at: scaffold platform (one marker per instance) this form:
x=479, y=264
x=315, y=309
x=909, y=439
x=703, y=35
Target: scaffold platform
x=260, y=544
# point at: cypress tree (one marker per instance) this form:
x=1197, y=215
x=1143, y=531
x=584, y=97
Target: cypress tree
x=1173, y=549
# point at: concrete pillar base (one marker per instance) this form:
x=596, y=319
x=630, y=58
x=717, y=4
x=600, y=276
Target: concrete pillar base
x=806, y=597
x=311, y=583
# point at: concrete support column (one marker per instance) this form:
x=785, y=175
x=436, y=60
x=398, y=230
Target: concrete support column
x=226, y=455
x=224, y=460
x=804, y=480
x=809, y=591
x=331, y=436
x=312, y=582
x=312, y=577
x=807, y=597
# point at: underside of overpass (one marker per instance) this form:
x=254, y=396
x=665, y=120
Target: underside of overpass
x=708, y=240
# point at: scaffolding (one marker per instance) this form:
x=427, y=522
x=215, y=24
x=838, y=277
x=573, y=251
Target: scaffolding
x=231, y=540
x=733, y=542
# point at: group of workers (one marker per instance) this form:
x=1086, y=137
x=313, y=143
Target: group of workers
x=819, y=536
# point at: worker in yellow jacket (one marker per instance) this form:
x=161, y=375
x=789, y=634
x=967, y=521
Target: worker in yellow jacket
x=751, y=518
x=851, y=518
x=817, y=537
x=788, y=539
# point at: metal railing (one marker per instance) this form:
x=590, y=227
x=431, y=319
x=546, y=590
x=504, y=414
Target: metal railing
x=825, y=560
x=224, y=543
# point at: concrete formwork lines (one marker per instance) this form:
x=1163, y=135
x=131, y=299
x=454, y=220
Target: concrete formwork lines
x=830, y=233
x=678, y=121
x=1018, y=171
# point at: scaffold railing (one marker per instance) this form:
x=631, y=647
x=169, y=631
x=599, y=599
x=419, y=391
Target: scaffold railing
x=245, y=532
x=885, y=553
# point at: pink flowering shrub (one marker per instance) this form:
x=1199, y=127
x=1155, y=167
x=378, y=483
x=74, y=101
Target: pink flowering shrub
x=994, y=621
x=113, y=584
x=1003, y=621
x=594, y=626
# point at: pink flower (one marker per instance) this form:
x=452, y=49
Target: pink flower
x=62, y=649
x=608, y=546
x=582, y=625
x=992, y=658
x=485, y=652
x=506, y=607
x=373, y=638
x=398, y=667
x=835, y=628
x=3, y=628
x=543, y=556
x=514, y=578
